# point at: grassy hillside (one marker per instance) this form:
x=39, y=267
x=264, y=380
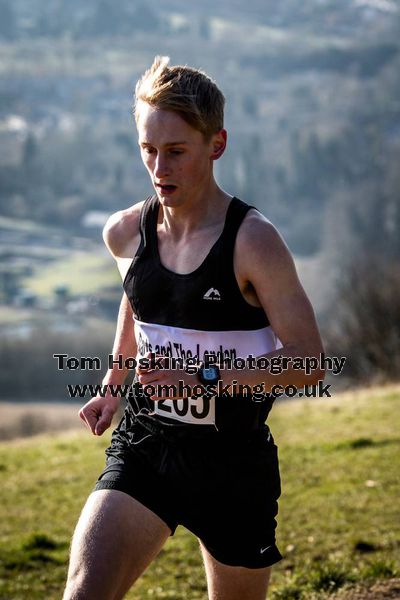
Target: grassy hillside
x=81, y=272
x=339, y=521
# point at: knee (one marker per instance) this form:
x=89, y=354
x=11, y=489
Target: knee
x=76, y=588
x=72, y=591
x=80, y=587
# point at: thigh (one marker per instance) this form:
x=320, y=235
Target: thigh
x=234, y=511
x=234, y=583
x=115, y=539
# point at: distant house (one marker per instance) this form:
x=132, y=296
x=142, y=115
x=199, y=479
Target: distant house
x=9, y=284
x=94, y=219
x=25, y=299
x=13, y=133
x=61, y=293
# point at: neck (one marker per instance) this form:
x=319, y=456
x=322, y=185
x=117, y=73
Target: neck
x=201, y=210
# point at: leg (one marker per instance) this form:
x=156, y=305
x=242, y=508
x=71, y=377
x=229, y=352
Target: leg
x=115, y=539
x=234, y=583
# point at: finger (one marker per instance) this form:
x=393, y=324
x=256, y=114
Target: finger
x=166, y=396
x=149, y=377
x=144, y=362
x=152, y=362
x=156, y=398
x=83, y=417
x=166, y=391
x=90, y=417
x=104, y=422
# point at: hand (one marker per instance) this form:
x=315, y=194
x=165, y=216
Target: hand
x=161, y=375
x=97, y=414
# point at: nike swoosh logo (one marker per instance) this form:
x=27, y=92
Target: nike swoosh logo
x=264, y=549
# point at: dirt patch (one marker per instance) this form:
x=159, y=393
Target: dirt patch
x=382, y=590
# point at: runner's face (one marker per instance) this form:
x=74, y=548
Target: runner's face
x=176, y=156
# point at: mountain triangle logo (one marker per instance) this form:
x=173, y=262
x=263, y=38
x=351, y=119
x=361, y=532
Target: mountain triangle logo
x=212, y=294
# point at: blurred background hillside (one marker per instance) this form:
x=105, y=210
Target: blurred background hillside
x=313, y=116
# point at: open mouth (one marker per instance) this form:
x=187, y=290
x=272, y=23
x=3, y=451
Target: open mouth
x=166, y=188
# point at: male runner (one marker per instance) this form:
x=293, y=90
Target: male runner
x=204, y=275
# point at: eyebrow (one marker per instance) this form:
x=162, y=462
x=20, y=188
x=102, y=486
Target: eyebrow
x=182, y=143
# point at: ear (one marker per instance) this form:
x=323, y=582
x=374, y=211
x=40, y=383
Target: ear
x=218, y=144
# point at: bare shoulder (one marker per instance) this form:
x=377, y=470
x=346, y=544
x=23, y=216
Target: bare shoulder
x=121, y=231
x=260, y=245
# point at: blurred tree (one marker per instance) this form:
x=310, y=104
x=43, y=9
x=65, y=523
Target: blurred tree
x=366, y=327
x=366, y=303
x=250, y=105
x=30, y=151
x=205, y=28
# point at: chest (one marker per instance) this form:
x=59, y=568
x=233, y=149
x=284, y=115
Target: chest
x=188, y=256
x=185, y=255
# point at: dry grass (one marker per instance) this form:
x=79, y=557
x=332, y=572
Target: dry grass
x=24, y=419
x=21, y=419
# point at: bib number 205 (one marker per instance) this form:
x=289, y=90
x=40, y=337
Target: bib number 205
x=189, y=410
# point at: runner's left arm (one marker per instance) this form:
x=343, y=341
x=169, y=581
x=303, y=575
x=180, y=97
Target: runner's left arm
x=265, y=265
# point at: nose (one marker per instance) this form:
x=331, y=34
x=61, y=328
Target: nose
x=161, y=166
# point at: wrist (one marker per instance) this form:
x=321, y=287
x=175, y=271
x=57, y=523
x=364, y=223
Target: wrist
x=208, y=375
x=115, y=377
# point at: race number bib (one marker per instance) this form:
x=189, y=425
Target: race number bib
x=198, y=411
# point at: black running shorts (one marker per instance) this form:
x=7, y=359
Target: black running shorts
x=223, y=487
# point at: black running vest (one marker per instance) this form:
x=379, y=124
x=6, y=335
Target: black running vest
x=187, y=315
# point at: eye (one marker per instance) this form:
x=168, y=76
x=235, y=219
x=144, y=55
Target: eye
x=176, y=151
x=148, y=150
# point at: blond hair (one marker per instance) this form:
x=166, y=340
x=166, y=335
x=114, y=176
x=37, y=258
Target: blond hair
x=189, y=92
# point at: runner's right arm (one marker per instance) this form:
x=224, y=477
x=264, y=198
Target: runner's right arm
x=121, y=236
x=99, y=411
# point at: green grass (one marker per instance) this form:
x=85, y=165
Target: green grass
x=339, y=521
x=82, y=272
